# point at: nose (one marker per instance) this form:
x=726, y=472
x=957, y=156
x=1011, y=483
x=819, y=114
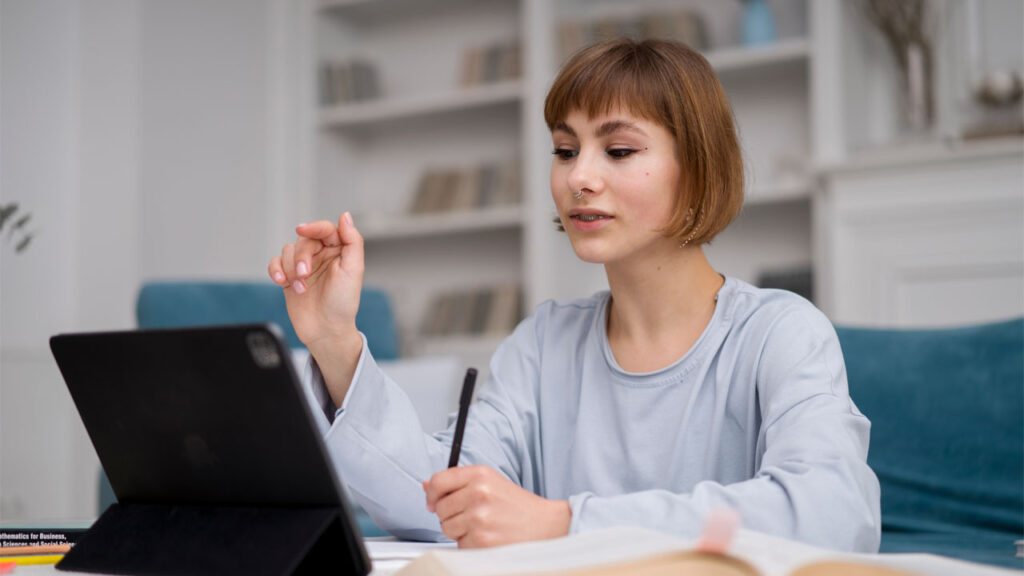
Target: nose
x=585, y=173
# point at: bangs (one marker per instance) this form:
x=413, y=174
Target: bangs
x=598, y=82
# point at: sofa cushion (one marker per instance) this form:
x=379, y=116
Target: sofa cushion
x=167, y=304
x=947, y=436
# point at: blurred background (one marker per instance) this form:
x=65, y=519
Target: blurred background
x=145, y=140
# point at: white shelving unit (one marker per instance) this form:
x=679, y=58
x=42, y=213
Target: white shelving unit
x=369, y=155
x=737, y=59
x=404, y=108
x=442, y=224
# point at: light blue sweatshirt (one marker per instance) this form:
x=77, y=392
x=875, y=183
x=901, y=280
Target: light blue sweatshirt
x=756, y=417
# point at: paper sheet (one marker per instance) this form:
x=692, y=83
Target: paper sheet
x=393, y=549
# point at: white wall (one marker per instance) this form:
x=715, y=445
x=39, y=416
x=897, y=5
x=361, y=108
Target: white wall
x=149, y=139
x=39, y=129
x=203, y=120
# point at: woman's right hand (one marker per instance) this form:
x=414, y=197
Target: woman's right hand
x=322, y=277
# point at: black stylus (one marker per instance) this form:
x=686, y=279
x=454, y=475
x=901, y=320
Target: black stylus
x=460, y=423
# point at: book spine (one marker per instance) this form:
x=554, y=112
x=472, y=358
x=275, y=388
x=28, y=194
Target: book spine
x=493, y=310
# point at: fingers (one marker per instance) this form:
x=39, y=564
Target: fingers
x=288, y=267
x=276, y=272
x=321, y=230
x=454, y=503
x=457, y=527
x=317, y=236
x=448, y=481
x=351, y=245
x=305, y=250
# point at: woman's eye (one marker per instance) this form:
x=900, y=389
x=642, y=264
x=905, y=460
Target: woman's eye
x=565, y=153
x=620, y=152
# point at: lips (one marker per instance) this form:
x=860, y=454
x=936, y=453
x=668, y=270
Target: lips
x=588, y=215
x=587, y=219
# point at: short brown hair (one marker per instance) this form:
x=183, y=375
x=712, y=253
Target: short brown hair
x=674, y=86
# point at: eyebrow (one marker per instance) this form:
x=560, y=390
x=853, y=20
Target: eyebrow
x=610, y=127
x=614, y=126
x=563, y=127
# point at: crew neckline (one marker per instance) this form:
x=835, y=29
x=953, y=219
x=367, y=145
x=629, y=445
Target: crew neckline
x=675, y=371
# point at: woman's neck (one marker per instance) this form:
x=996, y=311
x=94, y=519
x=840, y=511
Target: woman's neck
x=660, y=306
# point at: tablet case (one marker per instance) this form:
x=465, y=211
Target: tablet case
x=213, y=454
x=143, y=539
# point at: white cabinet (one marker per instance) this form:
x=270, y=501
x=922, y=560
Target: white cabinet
x=933, y=238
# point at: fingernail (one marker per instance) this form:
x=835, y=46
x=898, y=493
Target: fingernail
x=299, y=286
x=278, y=277
x=348, y=218
x=301, y=224
x=302, y=269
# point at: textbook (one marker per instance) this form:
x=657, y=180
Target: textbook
x=642, y=552
x=19, y=536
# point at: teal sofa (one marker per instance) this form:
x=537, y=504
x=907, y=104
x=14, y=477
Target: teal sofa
x=169, y=304
x=947, y=435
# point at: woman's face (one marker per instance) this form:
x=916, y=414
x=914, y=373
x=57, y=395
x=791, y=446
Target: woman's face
x=629, y=175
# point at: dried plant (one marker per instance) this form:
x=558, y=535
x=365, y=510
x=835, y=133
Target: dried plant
x=902, y=24
x=17, y=227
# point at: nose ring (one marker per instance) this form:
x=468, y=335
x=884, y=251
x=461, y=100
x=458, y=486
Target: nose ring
x=578, y=195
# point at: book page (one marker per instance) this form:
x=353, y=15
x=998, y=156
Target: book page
x=775, y=556
x=674, y=564
x=394, y=549
x=588, y=549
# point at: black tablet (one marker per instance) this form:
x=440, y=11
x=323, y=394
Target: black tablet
x=211, y=448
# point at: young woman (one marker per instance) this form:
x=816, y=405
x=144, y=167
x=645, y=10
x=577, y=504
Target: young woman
x=677, y=392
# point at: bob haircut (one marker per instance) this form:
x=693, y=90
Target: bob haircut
x=672, y=85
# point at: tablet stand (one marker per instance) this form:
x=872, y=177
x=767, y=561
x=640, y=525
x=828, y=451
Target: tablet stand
x=166, y=539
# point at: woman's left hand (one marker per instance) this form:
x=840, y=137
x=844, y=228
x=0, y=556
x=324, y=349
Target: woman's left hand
x=478, y=508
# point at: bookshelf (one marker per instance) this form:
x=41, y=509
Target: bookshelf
x=367, y=114
x=369, y=156
x=731, y=60
x=454, y=223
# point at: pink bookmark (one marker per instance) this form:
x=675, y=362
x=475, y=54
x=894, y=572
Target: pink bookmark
x=719, y=529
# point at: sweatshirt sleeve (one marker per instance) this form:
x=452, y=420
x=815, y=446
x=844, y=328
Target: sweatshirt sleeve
x=383, y=455
x=812, y=481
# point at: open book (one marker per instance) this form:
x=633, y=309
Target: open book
x=642, y=552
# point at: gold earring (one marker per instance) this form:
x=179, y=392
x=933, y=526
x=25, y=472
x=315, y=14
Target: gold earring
x=696, y=226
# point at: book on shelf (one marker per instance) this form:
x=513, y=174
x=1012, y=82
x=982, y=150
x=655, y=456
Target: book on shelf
x=449, y=189
x=637, y=551
x=491, y=310
x=346, y=81
x=684, y=26
x=491, y=63
x=797, y=280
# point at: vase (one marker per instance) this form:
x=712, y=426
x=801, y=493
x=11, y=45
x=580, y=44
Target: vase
x=758, y=23
x=918, y=104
